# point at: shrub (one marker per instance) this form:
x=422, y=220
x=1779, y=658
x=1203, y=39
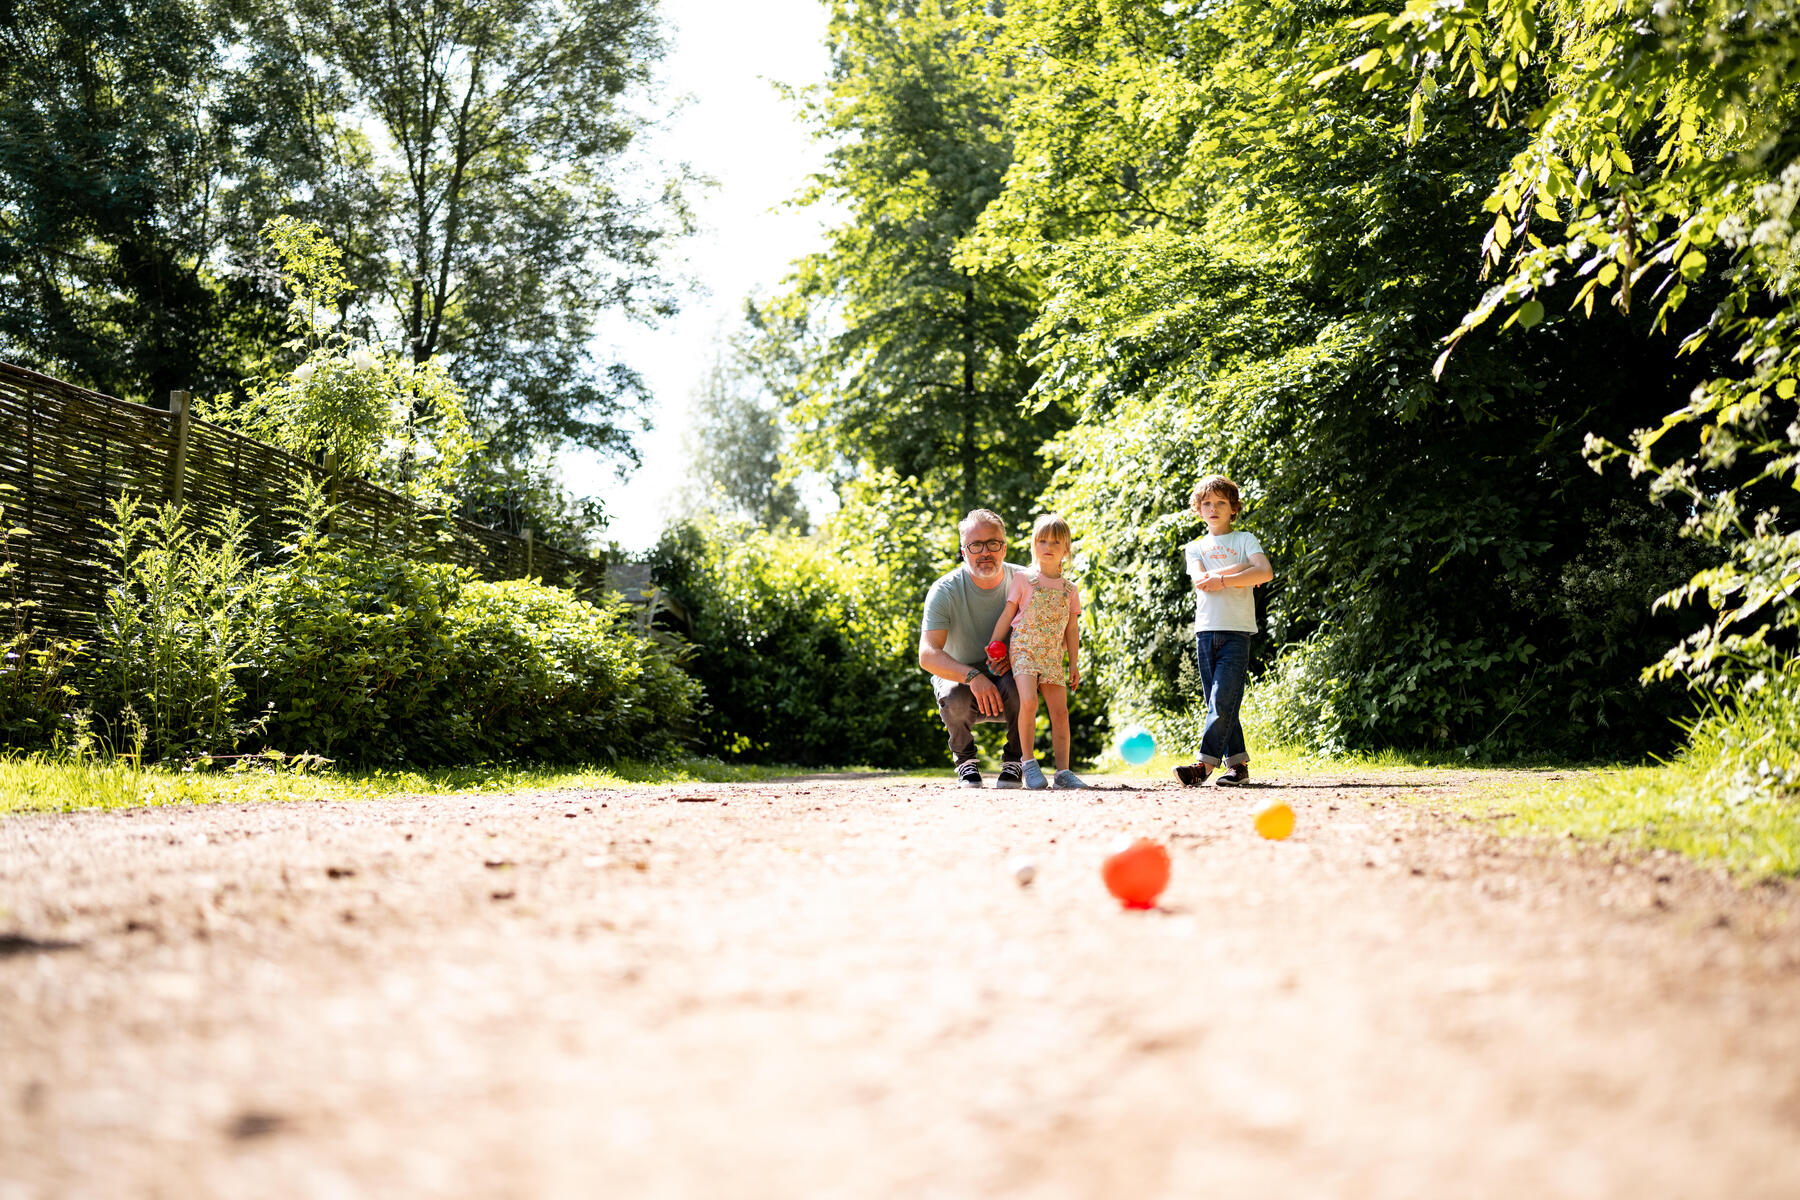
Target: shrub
x=805, y=658
x=795, y=668
x=35, y=689
x=370, y=661
x=354, y=648
x=537, y=673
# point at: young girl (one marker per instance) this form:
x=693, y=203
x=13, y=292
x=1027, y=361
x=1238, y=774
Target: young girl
x=1041, y=612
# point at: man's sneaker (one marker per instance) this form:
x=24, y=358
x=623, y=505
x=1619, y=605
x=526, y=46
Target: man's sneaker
x=1068, y=780
x=1234, y=776
x=1034, y=775
x=1193, y=775
x=968, y=773
x=1009, y=775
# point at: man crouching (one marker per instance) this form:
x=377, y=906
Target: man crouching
x=960, y=612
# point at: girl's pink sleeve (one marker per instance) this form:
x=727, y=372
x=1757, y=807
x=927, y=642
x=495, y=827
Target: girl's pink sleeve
x=1074, y=601
x=1020, y=590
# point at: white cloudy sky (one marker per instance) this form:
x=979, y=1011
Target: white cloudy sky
x=737, y=130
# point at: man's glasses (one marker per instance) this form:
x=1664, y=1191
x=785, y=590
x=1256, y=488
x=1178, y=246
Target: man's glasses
x=991, y=546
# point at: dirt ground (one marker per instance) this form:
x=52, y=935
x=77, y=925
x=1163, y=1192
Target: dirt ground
x=836, y=988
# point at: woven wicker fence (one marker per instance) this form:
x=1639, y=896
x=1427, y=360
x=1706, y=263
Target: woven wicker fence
x=69, y=452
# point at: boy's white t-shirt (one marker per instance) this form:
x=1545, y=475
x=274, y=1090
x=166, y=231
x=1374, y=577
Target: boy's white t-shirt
x=1228, y=610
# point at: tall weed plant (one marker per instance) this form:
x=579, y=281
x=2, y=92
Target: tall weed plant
x=174, y=633
x=1749, y=735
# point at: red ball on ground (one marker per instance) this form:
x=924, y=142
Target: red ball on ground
x=1137, y=874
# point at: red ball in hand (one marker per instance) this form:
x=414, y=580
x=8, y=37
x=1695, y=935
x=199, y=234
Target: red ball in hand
x=996, y=649
x=1137, y=873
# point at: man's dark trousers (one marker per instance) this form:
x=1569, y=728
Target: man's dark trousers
x=956, y=705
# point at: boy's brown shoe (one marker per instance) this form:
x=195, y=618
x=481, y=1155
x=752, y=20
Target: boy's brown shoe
x=1193, y=774
x=1236, y=776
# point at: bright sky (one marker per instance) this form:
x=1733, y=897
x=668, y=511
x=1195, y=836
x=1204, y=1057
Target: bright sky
x=737, y=130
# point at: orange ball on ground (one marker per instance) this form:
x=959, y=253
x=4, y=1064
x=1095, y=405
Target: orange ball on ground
x=1137, y=873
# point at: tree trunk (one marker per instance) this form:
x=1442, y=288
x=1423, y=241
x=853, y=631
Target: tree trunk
x=969, y=451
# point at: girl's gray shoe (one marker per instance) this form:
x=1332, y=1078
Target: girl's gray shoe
x=1069, y=779
x=1034, y=775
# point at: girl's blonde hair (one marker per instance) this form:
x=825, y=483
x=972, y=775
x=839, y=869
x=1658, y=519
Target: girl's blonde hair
x=1055, y=526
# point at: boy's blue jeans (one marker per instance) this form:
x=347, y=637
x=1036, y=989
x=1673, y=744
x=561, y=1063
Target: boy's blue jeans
x=1224, y=660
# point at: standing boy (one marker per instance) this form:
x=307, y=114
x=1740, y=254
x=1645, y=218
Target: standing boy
x=1224, y=565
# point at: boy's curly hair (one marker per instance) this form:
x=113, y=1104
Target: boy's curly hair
x=1216, y=485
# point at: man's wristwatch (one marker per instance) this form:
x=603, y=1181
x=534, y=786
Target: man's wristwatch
x=970, y=677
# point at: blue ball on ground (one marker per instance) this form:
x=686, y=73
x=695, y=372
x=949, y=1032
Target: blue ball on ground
x=1137, y=745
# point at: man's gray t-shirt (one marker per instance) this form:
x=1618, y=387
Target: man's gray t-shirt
x=967, y=612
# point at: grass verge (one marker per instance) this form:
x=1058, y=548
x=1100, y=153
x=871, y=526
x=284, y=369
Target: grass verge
x=1746, y=822
x=1750, y=830
x=33, y=784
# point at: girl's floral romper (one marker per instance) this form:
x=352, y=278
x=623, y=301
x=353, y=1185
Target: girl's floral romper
x=1037, y=631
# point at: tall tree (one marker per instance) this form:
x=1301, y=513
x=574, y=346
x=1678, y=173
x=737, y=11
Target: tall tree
x=504, y=221
x=114, y=151
x=734, y=444
x=921, y=367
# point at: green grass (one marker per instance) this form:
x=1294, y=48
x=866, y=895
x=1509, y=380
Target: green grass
x=1685, y=807
x=35, y=784
x=1751, y=831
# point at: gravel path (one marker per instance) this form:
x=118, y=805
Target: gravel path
x=816, y=988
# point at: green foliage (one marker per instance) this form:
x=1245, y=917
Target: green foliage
x=808, y=647
x=372, y=661
x=1752, y=739
x=536, y=674
x=37, y=690
x=357, y=648
x=1247, y=274
x=1659, y=170
x=177, y=624
x=339, y=652
x=34, y=675
x=119, y=160
x=361, y=411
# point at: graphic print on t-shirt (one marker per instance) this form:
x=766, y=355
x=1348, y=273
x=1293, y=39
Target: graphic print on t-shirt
x=1230, y=609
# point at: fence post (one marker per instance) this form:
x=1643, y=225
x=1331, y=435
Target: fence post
x=180, y=409
x=528, y=552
